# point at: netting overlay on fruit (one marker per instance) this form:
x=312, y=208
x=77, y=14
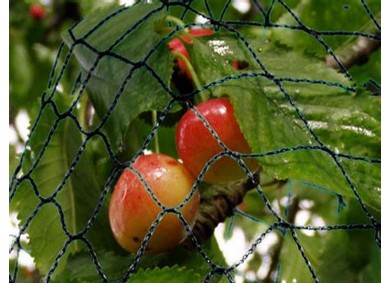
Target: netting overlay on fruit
x=300, y=86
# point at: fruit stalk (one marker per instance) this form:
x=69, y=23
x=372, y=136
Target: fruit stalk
x=156, y=142
x=192, y=72
x=176, y=21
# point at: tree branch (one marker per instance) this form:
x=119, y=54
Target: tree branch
x=215, y=207
x=356, y=52
x=293, y=208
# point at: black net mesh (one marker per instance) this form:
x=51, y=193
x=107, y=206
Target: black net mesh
x=57, y=117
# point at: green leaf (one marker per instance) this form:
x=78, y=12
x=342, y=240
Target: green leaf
x=320, y=15
x=138, y=132
x=12, y=160
x=268, y=127
x=191, y=258
x=213, y=59
x=269, y=118
x=77, y=198
x=141, y=92
x=173, y=274
x=215, y=9
x=80, y=267
x=371, y=70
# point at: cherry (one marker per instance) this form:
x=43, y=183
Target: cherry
x=176, y=44
x=37, y=11
x=132, y=209
x=196, y=145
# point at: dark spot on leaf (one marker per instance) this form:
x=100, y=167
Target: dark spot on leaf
x=240, y=64
x=136, y=239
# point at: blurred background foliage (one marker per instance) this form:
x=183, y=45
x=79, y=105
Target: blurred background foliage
x=35, y=29
x=34, y=40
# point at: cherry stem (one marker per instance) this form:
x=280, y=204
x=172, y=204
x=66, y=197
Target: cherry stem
x=192, y=72
x=176, y=21
x=156, y=142
x=83, y=112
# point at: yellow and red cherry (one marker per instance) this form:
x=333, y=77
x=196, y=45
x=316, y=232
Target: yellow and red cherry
x=132, y=209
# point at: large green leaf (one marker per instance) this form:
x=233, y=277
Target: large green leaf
x=213, y=59
x=229, y=10
x=320, y=15
x=80, y=267
x=116, y=82
x=268, y=127
x=77, y=195
x=138, y=133
x=12, y=160
x=371, y=70
x=272, y=120
x=173, y=274
x=176, y=274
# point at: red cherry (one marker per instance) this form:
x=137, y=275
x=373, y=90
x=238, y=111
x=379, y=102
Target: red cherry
x=37, y=11
x=196, y=145
x=132, y=209
x=177, y=44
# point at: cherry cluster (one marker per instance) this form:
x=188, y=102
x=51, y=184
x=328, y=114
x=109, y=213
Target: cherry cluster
x=133, y=208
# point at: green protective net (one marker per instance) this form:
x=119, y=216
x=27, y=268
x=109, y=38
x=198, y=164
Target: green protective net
x=311, y=120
